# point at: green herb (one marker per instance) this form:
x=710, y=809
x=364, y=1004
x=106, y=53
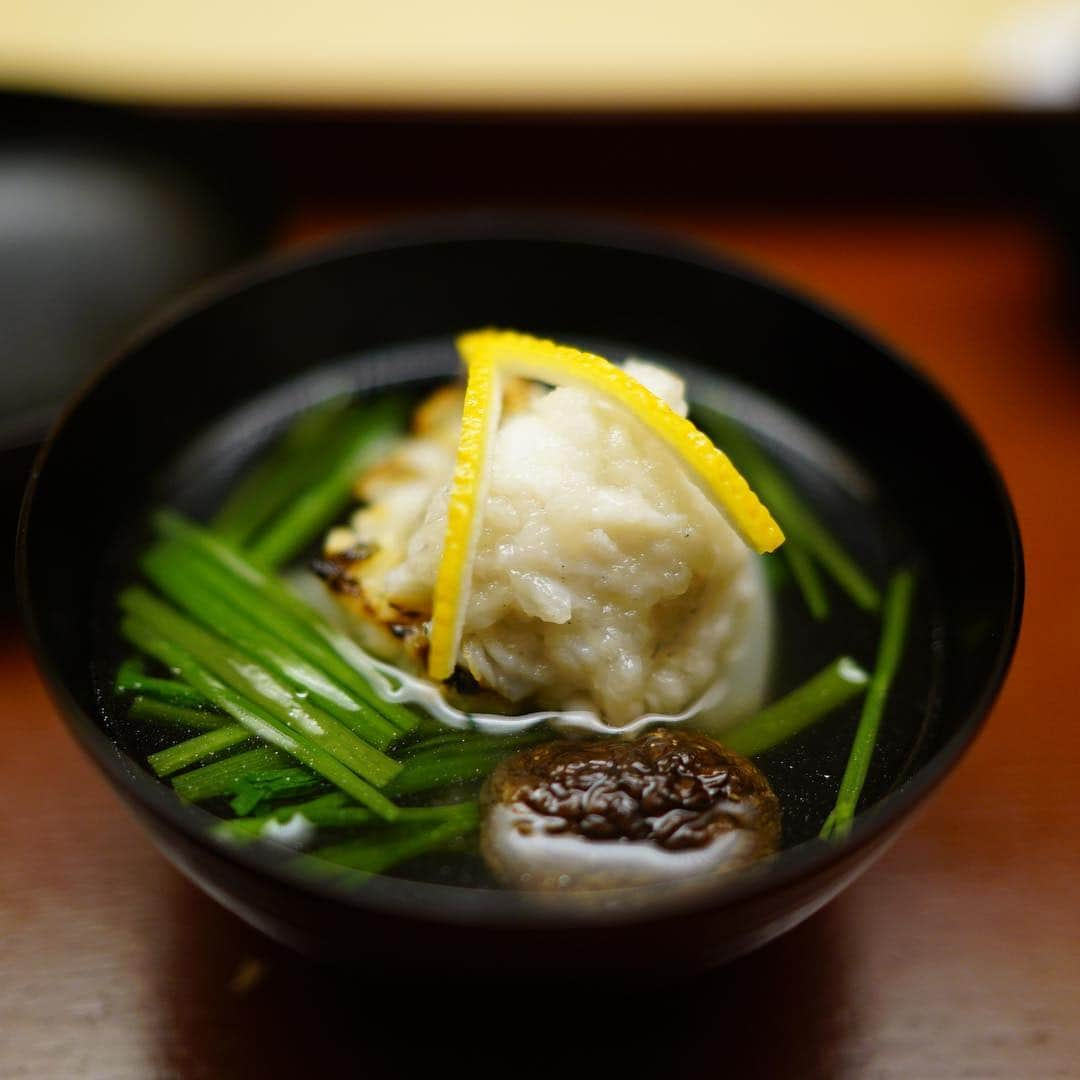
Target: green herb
x=222, y=777
x=247, y=828
x=456, y=758
x=469, y=761
x=180, y=576
x=807, y=578
x=377, y=853
x=244, y=675
x=281, y=612
x=366, y=438
x=192, y=751
x=894, y=623
x=147, y=710
x=777, y=570
x=797, y=520
x=132, y=679
x=448, y=743
x=255, y=788
x=307, y=747
x=830, y=688
x=279, y=477
x=327, y=812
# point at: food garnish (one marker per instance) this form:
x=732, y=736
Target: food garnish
x=896, y=612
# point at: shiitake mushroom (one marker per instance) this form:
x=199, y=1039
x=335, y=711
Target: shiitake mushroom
x=575, y=816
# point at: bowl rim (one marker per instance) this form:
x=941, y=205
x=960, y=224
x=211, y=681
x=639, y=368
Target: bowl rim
x=457, y=904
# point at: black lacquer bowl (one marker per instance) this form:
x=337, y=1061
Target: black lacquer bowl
x=247, y=348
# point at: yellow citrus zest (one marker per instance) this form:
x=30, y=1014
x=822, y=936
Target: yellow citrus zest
x=491, y=354
x=468, y=490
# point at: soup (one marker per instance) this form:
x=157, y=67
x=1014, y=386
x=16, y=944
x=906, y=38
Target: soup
x=610, y=687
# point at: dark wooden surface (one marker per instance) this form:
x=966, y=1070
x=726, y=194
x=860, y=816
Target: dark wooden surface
x=958, y=955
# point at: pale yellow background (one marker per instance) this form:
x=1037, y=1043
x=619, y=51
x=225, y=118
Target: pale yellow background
x=600, y=54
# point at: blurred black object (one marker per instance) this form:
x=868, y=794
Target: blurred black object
x=104, y=215
x=701, y=166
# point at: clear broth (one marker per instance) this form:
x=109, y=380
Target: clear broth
x=805, y=771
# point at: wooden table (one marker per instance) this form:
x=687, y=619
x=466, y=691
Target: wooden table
x=958, y=955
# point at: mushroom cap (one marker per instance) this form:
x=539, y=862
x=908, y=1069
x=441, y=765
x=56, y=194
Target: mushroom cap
x=575, y=816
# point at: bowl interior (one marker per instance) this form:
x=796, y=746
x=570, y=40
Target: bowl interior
x=258, y=338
